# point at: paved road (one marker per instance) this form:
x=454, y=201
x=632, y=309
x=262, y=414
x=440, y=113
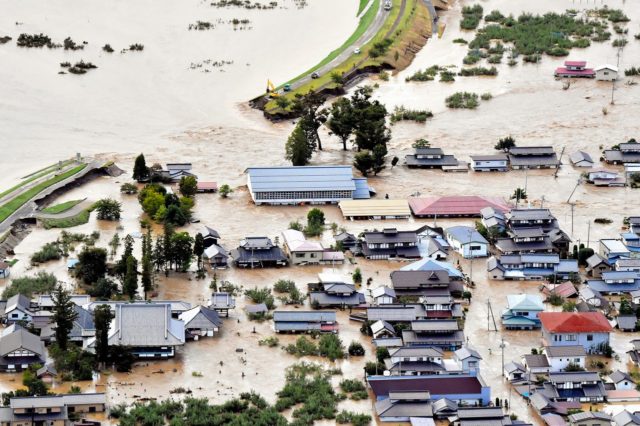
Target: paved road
x=29, y=208
x=373, y=29
x=434, y=15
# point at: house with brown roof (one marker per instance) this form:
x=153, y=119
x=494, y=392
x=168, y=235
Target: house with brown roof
x=455, y=206
x=589, y=329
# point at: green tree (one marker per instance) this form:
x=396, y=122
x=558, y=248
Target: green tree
x=379, y=154
x=175, y=215
x=102, y=317
x=181, y=250
x=108, y=209
x=307, y=106
x=103, y=289
x=140, y=169
x=370, y=126
x=363, y=161
x=336, y=77
x=519, y=194
x=152, y=203
x=225, y=190
x=146, y=278
x=121, y=265
x=505, y=144
x=625, y=307
x=35, y=386
x=188, y=186
x=130, y=285
x=114, y=244
x=63, y=316
x=421, y=143
x=342, y=120
x=315, y=216
x=357, y=276
x=282, y=102
x=298, y=148
x=128, y=188
x=159, y=260
x=92, y=264
x=198, y=249
x=382, y=353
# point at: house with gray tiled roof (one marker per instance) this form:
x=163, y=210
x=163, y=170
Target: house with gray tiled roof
x=200, y=322
x=147, y=329
x=19, y=349
x=17, y=309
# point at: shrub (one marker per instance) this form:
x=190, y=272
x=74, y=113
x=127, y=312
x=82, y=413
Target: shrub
x=555, y=299
x=401, y=113
x=447, y=76
x=270, y=342
x=380, y=48
x=49, y=251
x=351, y=385
x=462, y=100
x=471, y=16
x=356, y=349
x=41, y=283
x=427, y=74
x=262, y=295
x=486, y=96
x=302, y=347
x=330, y=346
x=475, y=71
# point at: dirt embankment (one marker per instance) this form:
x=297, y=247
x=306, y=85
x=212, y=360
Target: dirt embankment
x=407, y=42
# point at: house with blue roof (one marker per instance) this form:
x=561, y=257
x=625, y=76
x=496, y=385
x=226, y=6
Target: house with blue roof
x=612, y=249
x=467, y=241
x=632, y=241
x=531, y=266
x=616, y=282
x=305, y=185
x=522, y=312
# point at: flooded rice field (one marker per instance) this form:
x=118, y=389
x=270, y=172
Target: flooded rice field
x=152, y=102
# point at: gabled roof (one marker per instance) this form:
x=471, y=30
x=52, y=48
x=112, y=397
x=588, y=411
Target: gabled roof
x=209, y=232
x=625, y=418
x=536, y=361
x=383, y=291
x=215, y=250
x=575, y=322
x=146, y=325
x=565, y=351
x=525, y=302
x=595, y=260
x=304, y=316
x=21, y=339
x=209, y=314
x=380, y=325
x=619, y=376
x=412, y=351
x=585, y=415
x=303, y=178
x=18, y=301
x=297, y=242
x=465, y=235
x=467, y=352
x=455, y=205
x=579, y=156
x=573, y=376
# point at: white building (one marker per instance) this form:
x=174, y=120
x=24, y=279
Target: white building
x=467, y=241
x=490, y=163
x=560, y=357
x=607, y=72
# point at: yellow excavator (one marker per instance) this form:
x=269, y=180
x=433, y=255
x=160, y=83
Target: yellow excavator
x=271, y=89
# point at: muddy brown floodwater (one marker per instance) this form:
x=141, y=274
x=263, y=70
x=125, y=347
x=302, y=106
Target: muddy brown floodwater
x=180, y=115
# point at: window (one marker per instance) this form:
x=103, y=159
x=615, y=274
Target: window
x=571, y=338
x=589, y=337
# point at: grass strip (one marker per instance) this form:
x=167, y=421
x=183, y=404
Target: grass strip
x=363, y=4
x=62, y=207
x=33, y=176
x=10, y=207
x=68, y=222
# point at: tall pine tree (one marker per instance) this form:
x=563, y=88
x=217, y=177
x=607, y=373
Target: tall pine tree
x=130, y=284
x=198, y=249
x=63, y=316
x=140, y=169
x=102, y=317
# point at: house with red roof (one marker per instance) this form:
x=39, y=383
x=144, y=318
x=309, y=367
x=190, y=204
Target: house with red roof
x=575, y=69
x=587, y=329
x=456, y=206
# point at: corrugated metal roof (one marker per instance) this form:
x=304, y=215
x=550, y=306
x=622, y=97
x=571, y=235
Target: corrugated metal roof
x=317, y=178
x=369, y=208
x=462, y=205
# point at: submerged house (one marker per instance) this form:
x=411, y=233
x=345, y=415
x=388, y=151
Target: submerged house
x=415, y=361
x=616, y=282
x=18, y=309
x=467, y=241
x=602, y=177
x=334, y=291
x=561, y=357
x=580, y=386
x=176, y=171
x=51, y=410
x=627, y=153
x=581, y=159
x=533, y=157
x=19, y=349
x=301, y=251
x=490, y=163
x=534, y=266
x=200, y=322
x=147, y=329
x=390, y=243
x=455, y=206
x=258, y=252
x=596, y=265
x=589, y=329
x=375, y=209
x=305, y=185
x=575, y=69
x=442, y=333
x=467, y=389
x=305, y=321
x=430, y=158
x=522, y=312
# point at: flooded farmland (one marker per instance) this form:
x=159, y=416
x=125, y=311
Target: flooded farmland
x=154, y=102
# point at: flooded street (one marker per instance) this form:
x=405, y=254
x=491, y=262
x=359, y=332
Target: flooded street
x=152, y=102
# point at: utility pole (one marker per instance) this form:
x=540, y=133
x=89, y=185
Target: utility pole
x=588, y=233
x=572, y=207
x=502, y=347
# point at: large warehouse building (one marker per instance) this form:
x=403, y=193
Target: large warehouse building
x=305, y=185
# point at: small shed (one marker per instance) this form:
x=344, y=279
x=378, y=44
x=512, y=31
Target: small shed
x=581, y=159
x=627, y=322
x=207, y=187
x=607, y=72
